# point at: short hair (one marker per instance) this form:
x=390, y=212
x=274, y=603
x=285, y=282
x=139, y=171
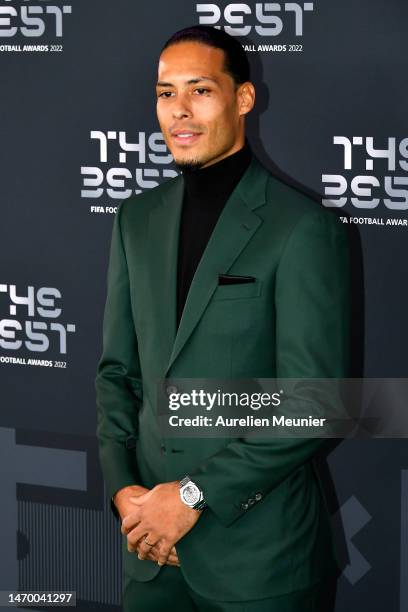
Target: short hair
x=236, y=63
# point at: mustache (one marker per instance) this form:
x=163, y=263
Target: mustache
x=187, y=128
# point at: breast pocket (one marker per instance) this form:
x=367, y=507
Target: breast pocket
x=238, y=291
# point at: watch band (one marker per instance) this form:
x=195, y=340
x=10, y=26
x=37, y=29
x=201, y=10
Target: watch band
x=184, y=481
x=200, y=505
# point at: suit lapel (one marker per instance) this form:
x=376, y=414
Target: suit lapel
x=163, y=235
x=236, y=225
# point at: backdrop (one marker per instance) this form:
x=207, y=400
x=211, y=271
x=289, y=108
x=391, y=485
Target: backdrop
x=78, y=134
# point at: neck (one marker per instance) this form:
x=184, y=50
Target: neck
x=218, y=179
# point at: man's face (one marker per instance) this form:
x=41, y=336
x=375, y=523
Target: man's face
x=201, y=113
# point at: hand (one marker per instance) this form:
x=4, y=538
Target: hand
x=153, y=554
x=121, y=499
x=160, y=517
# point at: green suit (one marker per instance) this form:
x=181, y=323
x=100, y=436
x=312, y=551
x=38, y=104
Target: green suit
x=267, y=529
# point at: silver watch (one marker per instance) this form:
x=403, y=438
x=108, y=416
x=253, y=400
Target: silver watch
x=191, y=494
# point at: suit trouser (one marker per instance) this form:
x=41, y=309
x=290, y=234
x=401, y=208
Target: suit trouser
x=168, y=590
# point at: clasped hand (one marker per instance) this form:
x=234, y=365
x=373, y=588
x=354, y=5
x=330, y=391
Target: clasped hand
x=159, y=518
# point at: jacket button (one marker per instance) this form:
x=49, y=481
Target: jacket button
x=258, y=496
x=244, y=506
x=171, y=389
x=251, y=501
x=130, y=442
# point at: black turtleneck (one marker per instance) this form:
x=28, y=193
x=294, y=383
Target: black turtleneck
x=206, y=190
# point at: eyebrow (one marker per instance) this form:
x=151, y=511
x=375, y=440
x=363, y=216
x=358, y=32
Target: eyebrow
x=189, y=82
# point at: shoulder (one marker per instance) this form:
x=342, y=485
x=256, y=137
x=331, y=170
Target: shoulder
x=292, y=209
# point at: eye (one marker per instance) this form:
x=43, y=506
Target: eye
x=165, y=94
x=201, y=90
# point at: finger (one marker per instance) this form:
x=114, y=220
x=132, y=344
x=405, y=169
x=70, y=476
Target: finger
x=135, y=500
x=153, y=550
x=140, y=499
x=153, y=555
x=173, y=554
x=130, y=521
x=144, y=549
x=134, y=537
x=171, y=560
x=164, y=552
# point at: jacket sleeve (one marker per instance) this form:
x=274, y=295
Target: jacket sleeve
x=312, y=300
x=118, y=382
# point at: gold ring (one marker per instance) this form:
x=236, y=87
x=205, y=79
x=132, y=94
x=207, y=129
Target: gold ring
x=146, y=542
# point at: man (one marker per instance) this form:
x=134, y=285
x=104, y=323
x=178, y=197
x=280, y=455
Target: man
x=213, y=524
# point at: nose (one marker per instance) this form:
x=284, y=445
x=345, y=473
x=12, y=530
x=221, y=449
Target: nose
x=181, y=108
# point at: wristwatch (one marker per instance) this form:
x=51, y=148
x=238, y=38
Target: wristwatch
x=191, y=494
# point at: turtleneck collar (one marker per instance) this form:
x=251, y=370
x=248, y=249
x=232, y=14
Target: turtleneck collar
x=219, y=179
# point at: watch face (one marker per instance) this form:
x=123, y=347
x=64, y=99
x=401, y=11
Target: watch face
x=191, y=494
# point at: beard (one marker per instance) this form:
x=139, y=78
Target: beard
x=189, y=165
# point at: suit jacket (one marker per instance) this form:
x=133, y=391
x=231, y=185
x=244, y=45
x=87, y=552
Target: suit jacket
x=267, y=529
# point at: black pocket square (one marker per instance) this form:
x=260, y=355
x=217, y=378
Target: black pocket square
x=234, y=279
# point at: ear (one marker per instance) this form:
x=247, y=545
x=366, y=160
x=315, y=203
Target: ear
x=246, y=97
